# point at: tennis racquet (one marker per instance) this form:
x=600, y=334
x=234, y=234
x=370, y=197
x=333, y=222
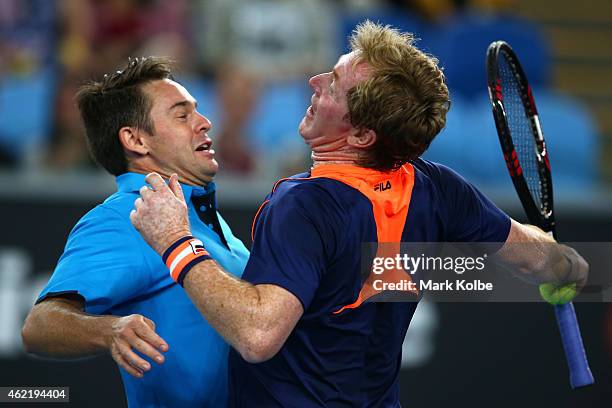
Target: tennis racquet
x=524, y=149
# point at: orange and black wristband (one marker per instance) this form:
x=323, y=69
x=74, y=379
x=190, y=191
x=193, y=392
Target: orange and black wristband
x=183, y=255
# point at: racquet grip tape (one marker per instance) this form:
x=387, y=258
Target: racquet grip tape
x=580, y=373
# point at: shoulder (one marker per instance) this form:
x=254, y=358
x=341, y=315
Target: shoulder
x=111, y=216
x=326, y=203
x=441, y=179
x=304, y=191
x=120, y=203
x=436, y=172
x=104, y=230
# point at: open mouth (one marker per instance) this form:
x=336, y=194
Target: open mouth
x=204, y=147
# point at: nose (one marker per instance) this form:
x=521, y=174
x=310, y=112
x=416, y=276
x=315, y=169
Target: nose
x=315, y=82
x=203, y=124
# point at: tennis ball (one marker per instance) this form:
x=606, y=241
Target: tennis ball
x=558, y=295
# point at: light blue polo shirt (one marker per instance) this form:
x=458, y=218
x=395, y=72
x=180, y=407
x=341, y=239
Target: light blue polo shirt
x=108, y=263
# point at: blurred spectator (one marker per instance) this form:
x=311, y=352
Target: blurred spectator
x=439, y=11
x=492, y=6
x=26, y=35
x=248, y=44
x=27, y=44
x=67, y=149
x=100, y=34
x=432, y=11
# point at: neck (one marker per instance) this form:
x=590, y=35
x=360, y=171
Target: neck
x=333, y=152
x=333, y=158
x=165, y=175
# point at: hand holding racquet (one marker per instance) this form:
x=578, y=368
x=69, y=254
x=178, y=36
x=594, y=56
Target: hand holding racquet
x=524, y=149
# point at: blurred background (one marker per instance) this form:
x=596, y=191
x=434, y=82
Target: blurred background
x=247, y=63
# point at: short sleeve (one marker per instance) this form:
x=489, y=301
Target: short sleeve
x=471, y=216
x=103, y=262
x=288, y=248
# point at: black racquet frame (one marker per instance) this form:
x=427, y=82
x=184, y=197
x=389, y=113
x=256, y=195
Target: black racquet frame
x=540, y=215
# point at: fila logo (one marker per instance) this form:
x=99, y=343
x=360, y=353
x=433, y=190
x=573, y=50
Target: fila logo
x=382, y=186
x=197, y=246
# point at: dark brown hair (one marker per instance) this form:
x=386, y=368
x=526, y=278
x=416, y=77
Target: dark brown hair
x=404, y=99
x=116, y=101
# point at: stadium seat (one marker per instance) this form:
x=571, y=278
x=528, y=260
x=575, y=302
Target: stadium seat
x=205, y=93
x=572, y=139
x=450, y=147
x=26, y=111
x=392, y=16
x=461, y=48
x=274, y=123
x=469, y=143
x=281, y=107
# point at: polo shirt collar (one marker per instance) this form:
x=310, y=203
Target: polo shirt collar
x=132, y=182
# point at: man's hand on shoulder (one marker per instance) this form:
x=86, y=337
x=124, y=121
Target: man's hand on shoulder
x=160, y=213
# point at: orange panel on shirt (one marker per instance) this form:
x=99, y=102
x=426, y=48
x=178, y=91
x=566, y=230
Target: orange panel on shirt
x=390, y=195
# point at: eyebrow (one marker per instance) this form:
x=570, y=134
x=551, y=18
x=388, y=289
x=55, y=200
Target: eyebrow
x=336, y=78
x=182, y=104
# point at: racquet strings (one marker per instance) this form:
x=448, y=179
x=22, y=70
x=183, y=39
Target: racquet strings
x=520, y=128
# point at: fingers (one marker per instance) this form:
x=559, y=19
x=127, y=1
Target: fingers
x=134, y=219
x=138, y=203
x=584, y=275
x=161, y=343
x=145, y=192
x=149, y=323
x=133, y=359
x=176, y=187
x=148, y=350
x=156, y=182
x=123, y=363
x=133, y=334
x=578, y=271
x=153, y=341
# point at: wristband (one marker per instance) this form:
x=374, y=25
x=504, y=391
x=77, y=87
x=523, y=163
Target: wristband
x=183, y=255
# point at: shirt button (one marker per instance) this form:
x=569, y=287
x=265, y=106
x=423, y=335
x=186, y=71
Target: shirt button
x=202, y=208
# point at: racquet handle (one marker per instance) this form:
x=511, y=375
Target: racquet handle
x=580, y=373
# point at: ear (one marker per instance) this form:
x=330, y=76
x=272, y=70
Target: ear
x=362, y=138
x=133, y=140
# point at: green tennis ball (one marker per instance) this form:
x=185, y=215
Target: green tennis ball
x=558, y=295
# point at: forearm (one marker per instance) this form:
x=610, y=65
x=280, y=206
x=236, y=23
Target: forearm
x=535, y=256
x=255, y=320
x=236, y=309
x=57, y=328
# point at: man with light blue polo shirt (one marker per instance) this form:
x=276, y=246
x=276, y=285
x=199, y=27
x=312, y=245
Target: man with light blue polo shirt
x=110, y=292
